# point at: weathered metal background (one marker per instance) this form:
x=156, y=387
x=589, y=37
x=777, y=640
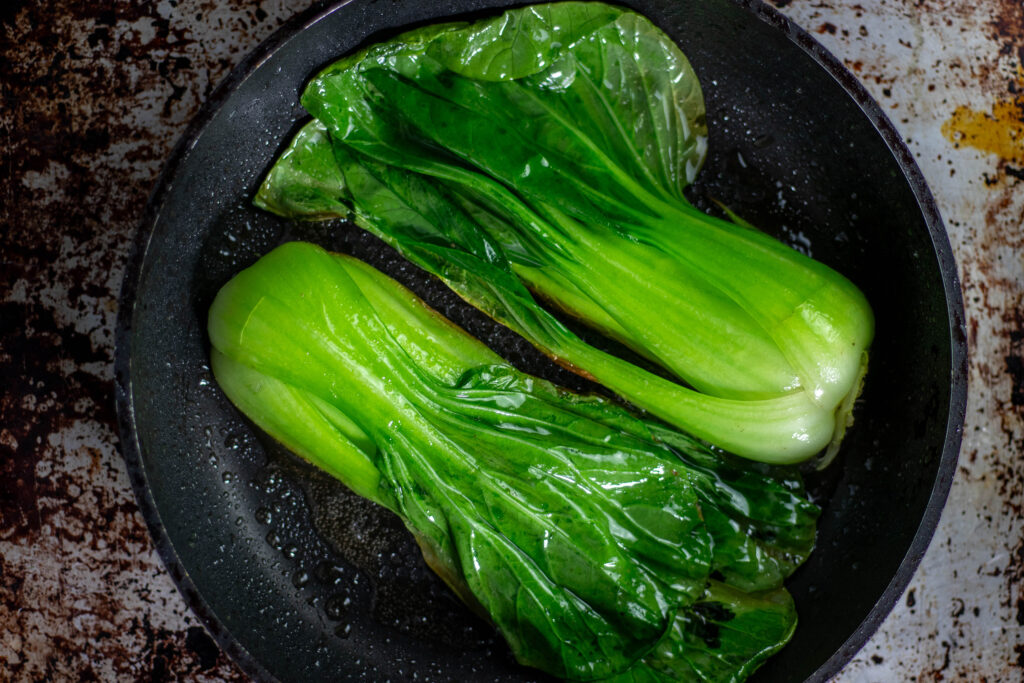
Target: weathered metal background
x=94, y=96
x=951, y=76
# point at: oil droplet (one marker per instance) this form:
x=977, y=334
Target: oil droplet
x=264, y=516
x=274, y=540
x=291, y=551
x=336, y=606
x=228, y=477
x=343, y=630
x=300, y=578
x=326, y=572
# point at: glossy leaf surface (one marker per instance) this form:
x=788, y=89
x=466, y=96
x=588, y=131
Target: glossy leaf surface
x=545, y=152
x=580, y=530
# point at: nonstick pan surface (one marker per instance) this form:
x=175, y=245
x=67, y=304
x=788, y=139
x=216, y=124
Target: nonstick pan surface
x=300, y=581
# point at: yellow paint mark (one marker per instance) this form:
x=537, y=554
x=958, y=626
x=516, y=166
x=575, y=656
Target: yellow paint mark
x=999, y=131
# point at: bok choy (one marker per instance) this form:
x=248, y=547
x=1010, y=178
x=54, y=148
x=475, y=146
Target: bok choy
x=543, y=155
x=601, y=545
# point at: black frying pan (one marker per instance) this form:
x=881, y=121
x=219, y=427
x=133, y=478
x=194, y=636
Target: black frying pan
x=298, y=580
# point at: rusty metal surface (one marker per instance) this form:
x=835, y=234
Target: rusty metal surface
x=950, y=75
x=94, y=96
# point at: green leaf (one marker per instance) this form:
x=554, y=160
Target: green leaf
x=760, y=520
x=512, y=167
x=722, y=638
x=436, y=225
x=579, y=529
x=579, y=541
x=518, y=44
x=305, y=182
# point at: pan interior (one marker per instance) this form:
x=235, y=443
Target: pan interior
x=310, y=582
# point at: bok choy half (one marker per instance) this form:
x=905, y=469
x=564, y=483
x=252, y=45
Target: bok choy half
x=602, y=546
x=542, y=155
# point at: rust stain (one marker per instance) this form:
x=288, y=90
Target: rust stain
x=1008, y=29
x=999, y=129
x=963, y=620
x=92, y=98
x=1015, y=364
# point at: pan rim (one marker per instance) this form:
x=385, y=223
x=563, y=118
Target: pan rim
x=134, y=265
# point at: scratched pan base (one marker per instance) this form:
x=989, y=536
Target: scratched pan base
x=299, y=581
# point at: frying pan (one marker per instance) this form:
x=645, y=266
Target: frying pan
x=298, y=580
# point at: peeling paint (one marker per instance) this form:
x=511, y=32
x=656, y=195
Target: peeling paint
x=999, y=131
